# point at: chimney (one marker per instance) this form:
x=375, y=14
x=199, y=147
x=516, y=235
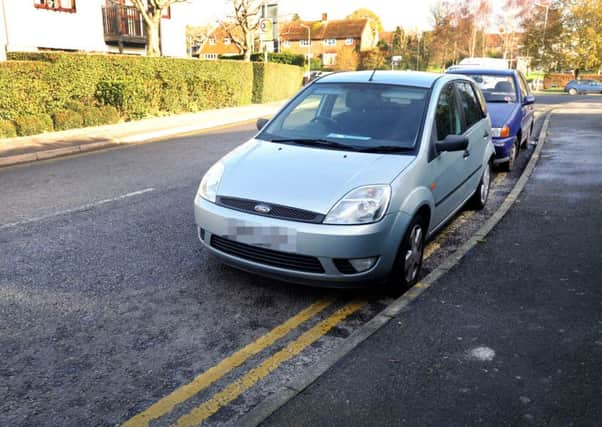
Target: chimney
x=324, y=17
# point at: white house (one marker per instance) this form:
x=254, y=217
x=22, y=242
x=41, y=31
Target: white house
x=85, y=25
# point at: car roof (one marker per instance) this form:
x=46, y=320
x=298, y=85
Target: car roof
x=482, y=70
x=401, y=78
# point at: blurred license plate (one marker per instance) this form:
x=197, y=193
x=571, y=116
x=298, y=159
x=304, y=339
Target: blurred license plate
x=277, y=238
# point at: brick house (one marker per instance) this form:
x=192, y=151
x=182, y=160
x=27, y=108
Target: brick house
x=328, y=38
x=219, y=43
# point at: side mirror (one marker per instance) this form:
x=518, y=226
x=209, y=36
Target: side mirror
x=529, y=100
x=452, y=143
x=261, y=122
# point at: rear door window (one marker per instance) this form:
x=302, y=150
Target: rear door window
x=448, y=119
x=470, y=104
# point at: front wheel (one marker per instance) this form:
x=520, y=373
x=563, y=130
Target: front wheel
x=572, y=91
x=509, y=165
x=481, y=194
x=409, y=258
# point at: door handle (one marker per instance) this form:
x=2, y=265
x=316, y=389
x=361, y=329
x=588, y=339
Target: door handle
x=486, y=134
x=466, y=154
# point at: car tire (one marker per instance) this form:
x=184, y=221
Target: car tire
x=481, y=194
x=509, y=165
x=409, y=258
x=572, y=91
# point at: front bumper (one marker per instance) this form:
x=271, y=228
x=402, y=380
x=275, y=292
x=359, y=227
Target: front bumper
x=327, y=243
x=503, y=146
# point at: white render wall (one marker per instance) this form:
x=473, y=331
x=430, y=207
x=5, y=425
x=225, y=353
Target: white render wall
x=30, y=29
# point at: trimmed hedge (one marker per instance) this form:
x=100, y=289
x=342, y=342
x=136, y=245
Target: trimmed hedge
x=67, y=119
x=7, y=129
x=279, y=58
x=33, y=124
x=52, y=83
x=273, y=82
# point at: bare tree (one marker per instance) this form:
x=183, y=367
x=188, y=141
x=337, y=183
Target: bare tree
x=246, y=18
x=152, y=11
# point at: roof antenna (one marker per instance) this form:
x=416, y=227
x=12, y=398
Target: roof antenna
x=372, y=75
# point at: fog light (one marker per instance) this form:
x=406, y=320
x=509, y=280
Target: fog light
x=363, y=264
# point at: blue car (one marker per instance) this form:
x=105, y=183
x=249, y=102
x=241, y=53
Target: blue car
x=583, y=86
x=510, y=104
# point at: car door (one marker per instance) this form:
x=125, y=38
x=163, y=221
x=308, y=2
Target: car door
x=443, y=168
x=477, y=129
x=527, y=111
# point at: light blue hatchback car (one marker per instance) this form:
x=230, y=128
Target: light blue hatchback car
x=347, y=182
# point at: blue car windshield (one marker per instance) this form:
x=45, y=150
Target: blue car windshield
x=355, y=116
x=496, y=88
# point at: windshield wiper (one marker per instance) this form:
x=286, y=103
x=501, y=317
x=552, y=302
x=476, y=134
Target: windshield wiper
x=385, y=149
x=315, y=142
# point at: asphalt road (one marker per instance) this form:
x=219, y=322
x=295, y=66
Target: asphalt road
x=108, y=303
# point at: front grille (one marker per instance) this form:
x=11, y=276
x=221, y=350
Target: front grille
x=344, y=266
x=277, y=211
x=267, y=256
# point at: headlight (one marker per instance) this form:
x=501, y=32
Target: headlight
x=361, y=206
x=210, y=182
x=502, y=132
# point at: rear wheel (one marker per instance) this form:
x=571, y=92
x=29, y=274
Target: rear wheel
x=479, y=198
x=409, y=257
x=509, y=165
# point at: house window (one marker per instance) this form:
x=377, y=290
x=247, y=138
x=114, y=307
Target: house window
x=330, y=42
x=349, y=42
x=227, y=41
x=58, y=5
x=286, y=43
x=329, y=59
x=304, y=43
x=212, y=41
x=210, y=56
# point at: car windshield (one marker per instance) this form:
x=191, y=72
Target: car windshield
x=496, y=88
x=362, y=117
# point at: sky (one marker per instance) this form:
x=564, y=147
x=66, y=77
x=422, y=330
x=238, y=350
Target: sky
x=410, y=14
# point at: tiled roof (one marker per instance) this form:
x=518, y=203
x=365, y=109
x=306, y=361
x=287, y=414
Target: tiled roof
x=219, y=34
x=320, y=30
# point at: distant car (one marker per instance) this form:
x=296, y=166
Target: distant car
x=510, y=104
x=345, y=184
x=575, y=87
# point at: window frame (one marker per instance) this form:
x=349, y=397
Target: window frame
x=305, y=43
x=286, y=43
x=43, y=4
x=227, y=41
x=459, y=107
x=330, y=42
x=349, y=41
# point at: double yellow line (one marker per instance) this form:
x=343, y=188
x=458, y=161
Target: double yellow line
x=239, y=386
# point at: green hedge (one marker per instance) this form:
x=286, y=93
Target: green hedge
x=274, y=82
x=47, y=83
x=279, y=58
x=7, y=129
x=33, y=124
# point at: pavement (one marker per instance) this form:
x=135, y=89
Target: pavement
x=512, y=335
x=55, y=144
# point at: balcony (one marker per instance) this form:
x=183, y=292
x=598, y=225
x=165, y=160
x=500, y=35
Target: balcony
x=123, y=26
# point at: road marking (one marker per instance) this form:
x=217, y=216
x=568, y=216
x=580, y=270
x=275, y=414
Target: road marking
x=499, y=178
x=204, y=380
x=78, y=209
x=430, y=249
x=238, y=387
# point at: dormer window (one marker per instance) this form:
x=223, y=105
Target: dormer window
x=227, y=40
x=211, y=41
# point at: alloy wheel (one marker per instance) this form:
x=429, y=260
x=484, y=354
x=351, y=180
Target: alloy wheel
x=413, y=256
x=485, y=184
